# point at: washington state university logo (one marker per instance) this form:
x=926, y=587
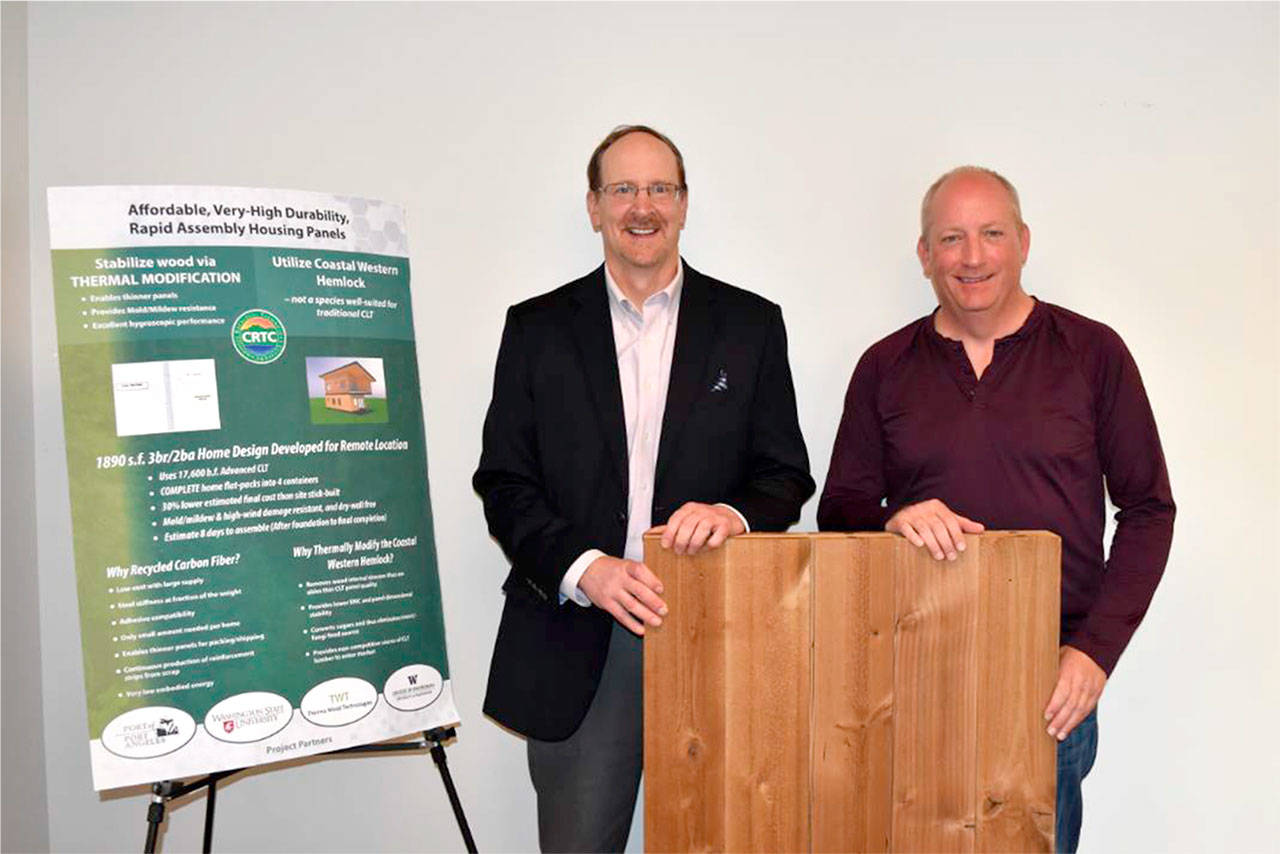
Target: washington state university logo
x=228, y=725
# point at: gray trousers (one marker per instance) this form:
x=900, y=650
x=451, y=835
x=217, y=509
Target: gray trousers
x=587, y=784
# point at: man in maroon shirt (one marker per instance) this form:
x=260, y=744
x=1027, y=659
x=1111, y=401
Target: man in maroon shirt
x=1001, y=411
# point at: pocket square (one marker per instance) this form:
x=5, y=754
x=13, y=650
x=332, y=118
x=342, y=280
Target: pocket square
x=722, y=381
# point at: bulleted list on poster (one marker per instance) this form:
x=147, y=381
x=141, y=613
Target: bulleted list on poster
x=255, y=563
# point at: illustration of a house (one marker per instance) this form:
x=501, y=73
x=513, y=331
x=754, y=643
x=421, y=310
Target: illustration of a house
x=345, y=387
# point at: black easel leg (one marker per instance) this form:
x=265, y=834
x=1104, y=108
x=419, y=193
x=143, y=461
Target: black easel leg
x=163, y=792
x=435, y=738
x=155, y=815
x=209, y=804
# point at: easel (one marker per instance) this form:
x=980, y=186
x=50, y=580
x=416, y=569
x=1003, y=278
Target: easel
x=163, y=792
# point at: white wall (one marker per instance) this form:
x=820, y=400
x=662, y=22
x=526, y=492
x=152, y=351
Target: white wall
x=1143, y=139
x=24, y=808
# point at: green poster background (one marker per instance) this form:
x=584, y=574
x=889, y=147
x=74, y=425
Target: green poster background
x=127, y=491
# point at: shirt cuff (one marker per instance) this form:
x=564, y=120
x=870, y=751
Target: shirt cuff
x=746, y=529
x=569, y=591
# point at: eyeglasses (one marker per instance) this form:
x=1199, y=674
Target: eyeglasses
x=660, y=193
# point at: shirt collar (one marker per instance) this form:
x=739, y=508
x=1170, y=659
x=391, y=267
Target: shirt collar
x=671, y=291
x=1028, y=326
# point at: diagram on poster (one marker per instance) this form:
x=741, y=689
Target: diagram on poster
x=165, y=397
x=255, y=562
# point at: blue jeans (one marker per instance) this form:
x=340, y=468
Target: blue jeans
x=1075, y=758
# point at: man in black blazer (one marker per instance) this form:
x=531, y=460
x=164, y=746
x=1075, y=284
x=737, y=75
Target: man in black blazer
x=641, y=394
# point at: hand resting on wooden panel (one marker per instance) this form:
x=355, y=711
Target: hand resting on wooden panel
x=697, y=525
x=934, y=526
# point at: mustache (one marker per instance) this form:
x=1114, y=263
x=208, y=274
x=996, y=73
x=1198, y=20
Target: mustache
x=643, y=222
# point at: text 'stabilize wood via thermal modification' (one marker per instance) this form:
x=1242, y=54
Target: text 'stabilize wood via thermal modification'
x=846, y=692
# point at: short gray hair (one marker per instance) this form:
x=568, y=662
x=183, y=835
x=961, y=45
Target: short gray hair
x=967, y=170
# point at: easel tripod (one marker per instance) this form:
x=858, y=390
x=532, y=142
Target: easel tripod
x=163, y=792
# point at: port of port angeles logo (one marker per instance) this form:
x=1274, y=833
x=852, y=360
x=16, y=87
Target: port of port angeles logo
x=258, y=336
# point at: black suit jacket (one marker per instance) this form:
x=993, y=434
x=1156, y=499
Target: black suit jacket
x=553, y=470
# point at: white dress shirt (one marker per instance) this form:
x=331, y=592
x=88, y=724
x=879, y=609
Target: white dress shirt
x=645, y=339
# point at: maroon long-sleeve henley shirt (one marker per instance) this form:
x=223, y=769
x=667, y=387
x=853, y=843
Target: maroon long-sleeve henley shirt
x=1060, y=408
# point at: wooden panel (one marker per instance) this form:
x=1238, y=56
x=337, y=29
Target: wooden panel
x=767, y=673
x=684, y=708
x=727, y=693
x=935, y=700
x=852, y=692
x=846, y=692
x=1017, y=671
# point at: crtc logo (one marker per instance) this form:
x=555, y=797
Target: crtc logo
x=258, y=336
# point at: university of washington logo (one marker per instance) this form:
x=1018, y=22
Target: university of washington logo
x=258, y=336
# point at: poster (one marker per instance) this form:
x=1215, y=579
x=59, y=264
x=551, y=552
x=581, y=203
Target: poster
x=252, y=527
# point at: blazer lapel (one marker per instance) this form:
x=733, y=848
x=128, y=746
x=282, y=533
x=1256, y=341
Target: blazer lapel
x=695, y=333
x=593, y=333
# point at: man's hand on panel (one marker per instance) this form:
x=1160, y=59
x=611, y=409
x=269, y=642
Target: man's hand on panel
x=695, y=526
x=935, y=526
x=626, y=589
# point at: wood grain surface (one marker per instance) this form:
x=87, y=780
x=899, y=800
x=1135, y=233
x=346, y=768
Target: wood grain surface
x=1017, y=671
x=853, y=693
x=768, y=691
x=685, y=705
x=846, y=692
x=935, y=713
